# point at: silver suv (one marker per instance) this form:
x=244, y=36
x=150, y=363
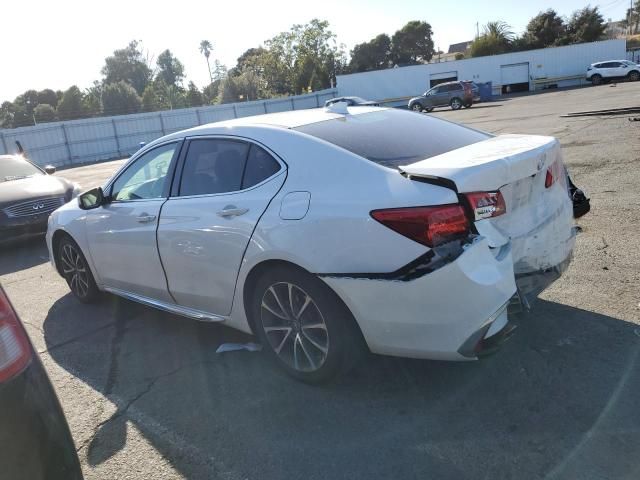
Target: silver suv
x=453, y=94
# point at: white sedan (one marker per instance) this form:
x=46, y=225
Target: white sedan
x=321, y=231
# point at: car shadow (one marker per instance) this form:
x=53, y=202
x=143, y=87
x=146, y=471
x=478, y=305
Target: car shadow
x=23, y=255
x=558, y=401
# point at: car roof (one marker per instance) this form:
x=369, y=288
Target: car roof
x=291, y=119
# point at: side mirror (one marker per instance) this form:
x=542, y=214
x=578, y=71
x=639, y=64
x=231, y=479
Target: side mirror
x=625, y=66
x=50, y=169
x=91, y=199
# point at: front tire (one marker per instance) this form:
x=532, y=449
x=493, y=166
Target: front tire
x=303, y=325
x=455, y=103
x=76, y=271
x=416, y=107
x=633, y=76
x=596, y=79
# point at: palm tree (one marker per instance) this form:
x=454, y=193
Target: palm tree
x=205, y=49
x=499, y=30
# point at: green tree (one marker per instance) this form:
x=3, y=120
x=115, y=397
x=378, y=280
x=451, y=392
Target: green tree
x=93, y=99
x=28, y=101
x=44, y=113
x=170, y=69
x=71, y=105
x=128, y=65
x=169, y=96
x=299, y=55
x=150, y=99
x=412, y=44
x=194, y=96
x=545, y=30
x=48, y=96
x=459, y=56
x=205, y=49
x=586, y=25
x=251, y=59
x=211, y=92
x=496, y=38
x=229, y=91
x=372, y=55
x=120, y=98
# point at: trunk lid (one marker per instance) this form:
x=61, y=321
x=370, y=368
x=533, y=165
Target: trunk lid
x=538, y=219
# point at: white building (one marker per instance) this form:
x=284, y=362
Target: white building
x=510, y=72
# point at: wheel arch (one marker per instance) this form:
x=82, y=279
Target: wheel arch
x=56, y=238
x=265, y=265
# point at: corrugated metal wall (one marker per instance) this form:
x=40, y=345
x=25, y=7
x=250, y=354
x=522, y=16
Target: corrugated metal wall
x=88, y=140
x=394, y=85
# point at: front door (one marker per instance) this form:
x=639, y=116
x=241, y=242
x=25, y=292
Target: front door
x=122, y=233
x=225, y=186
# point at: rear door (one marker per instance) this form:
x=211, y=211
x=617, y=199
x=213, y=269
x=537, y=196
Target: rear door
x=609, y=69
x=222, y=188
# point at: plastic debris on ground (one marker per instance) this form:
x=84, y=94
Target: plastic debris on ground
x=235, y=347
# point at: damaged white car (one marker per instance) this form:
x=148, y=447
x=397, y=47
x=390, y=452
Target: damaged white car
x=324, y=230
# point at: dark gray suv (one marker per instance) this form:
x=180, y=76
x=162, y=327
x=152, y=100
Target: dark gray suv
x=453, y=94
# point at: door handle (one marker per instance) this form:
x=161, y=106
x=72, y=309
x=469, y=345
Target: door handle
x=232, y=211
x=146, y=218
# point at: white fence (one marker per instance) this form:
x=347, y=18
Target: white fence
x=93, y=139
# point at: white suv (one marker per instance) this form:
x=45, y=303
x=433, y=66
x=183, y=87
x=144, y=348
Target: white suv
x=614, y=69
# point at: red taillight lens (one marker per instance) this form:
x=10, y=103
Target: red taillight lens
x=486, y=204
x=430, y=226
x=15, y=351
x=555, y=172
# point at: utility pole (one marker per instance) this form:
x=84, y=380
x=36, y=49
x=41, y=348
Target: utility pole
x=477, y=30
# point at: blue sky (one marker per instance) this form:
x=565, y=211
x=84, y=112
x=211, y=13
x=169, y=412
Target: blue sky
x=57, y=44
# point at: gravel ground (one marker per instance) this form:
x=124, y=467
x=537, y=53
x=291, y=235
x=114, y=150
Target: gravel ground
x=147, y=397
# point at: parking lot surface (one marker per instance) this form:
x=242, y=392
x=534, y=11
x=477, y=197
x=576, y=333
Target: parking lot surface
x=146, y=396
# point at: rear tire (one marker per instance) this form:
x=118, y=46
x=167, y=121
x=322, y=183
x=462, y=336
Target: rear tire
x=596, y=79
x=633, y=76
x=455, y=103
x=76, y=271
x=416, y=107
x=303, y=325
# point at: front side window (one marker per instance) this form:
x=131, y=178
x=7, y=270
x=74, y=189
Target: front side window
x=146, y=177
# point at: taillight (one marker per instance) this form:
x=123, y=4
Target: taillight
x=15, y=351
x=555, y=172
x=486, y=204
x=430, y=226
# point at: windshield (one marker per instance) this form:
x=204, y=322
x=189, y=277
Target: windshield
x=15, y=168
x=394, y=137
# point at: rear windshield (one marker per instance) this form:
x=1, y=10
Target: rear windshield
x=15, y=168
x=394, y=137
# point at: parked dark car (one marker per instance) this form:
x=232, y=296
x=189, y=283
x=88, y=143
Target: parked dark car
x=351, y=101
x=28, y=194
x=456, y=95
x=35, y=442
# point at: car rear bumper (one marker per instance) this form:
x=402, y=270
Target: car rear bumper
x=434, y=315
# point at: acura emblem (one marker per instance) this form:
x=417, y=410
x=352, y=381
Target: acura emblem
x=38, y=206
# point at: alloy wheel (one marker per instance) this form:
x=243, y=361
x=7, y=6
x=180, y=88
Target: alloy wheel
x=75, y=270
x=456, y=104
x=294, y=327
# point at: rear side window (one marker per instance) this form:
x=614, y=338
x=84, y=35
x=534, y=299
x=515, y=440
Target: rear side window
x=260, y=166
x=394, y=137
x=213, y=166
